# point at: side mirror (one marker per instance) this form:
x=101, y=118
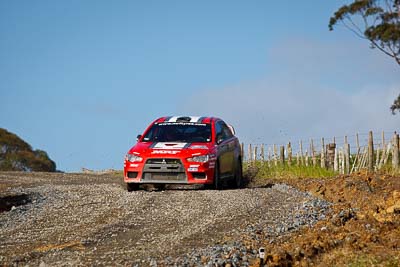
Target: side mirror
x=232, y=129
x=219, y=139
x=138, y=137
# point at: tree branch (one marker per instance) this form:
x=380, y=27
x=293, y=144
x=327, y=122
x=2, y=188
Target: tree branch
x=354, y=25
x=358, y=33
x=388, y=6
x=383, y=50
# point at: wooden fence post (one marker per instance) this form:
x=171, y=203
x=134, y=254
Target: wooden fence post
x=357, y=142
x=346, y=156
x=275, y=155
x=331, y=153
x=383, y=140
x=250, y=153
x=335, y=160
x=306, y=158
x=323, y=165
x=378, y=154
x=366, y=155
x=269, y=156
x=242, y=150
x=341, y=161
x=358, y=157
x=282, y=155
x=262, y=153
x=314, y=157
x=255, y=153
x=301, y=153
x=289, y=151
x=370, y=152
x=396, y=151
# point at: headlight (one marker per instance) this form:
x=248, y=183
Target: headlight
x=133, y=158
x=203, y=158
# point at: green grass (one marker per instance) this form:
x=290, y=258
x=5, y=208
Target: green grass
x=263, y=170
x=370, y=260
x=118, y=173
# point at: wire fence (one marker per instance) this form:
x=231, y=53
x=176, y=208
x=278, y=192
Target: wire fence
x=346, y=154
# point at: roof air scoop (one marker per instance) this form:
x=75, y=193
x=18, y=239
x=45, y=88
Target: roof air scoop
x=183, y=119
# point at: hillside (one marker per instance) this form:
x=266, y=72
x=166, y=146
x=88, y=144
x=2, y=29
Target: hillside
x=18, y=155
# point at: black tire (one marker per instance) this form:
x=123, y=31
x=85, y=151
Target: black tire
x=217, y=179
x=239, y=174
x=160, y=187
x=132, y=187
x=236, y=181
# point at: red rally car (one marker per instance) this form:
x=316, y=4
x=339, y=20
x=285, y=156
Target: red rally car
x=185, y=150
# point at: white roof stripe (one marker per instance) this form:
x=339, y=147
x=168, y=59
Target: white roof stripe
x=173, y=119
x=192, y=118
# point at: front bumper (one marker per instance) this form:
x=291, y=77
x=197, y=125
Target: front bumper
x=168, y=171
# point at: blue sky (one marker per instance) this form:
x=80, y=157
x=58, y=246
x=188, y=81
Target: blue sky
x=80, y=79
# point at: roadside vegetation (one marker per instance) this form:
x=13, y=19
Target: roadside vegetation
x=263, y=170
x=18, y=155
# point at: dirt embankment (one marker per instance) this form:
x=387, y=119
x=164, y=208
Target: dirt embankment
x=363, y=228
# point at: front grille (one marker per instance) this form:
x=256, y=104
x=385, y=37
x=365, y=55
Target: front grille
x=132, y=174
x=163, y=169
x=163, y=161
x=168, y=177
x=199, y=175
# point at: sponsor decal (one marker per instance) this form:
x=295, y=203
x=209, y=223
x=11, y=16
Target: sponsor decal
x=134, y=165
x=162, y=152
x=181, y=123
x=193, y=168
x=213, y=157
x=198, y=147
x=169, y=145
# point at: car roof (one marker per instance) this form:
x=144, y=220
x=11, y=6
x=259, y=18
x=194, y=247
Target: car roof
x=192, y=119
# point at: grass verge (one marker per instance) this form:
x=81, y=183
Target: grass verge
x=263, y=170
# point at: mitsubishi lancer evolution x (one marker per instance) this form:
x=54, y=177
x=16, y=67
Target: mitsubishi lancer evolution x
x=185, y=150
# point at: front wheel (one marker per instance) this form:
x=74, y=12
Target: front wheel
x=217, y=185
x=132, y=187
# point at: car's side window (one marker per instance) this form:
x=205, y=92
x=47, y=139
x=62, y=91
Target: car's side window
x=222, y=130
x=227, y=132
x=219, y=131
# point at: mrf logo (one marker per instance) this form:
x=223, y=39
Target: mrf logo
x=164, y=152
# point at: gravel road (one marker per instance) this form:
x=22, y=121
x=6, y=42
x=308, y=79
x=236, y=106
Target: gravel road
x=82, y=219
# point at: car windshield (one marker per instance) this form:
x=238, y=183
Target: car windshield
x=179, y=132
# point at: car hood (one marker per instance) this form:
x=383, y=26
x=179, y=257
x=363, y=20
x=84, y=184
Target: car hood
x=176, y=149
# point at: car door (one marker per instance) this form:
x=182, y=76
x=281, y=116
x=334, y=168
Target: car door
x=226, y=146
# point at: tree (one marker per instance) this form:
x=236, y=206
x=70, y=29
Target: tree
x=377, y=21
x=396, y=105
x=17, y=155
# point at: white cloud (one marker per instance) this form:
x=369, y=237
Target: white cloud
x=306, y=97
